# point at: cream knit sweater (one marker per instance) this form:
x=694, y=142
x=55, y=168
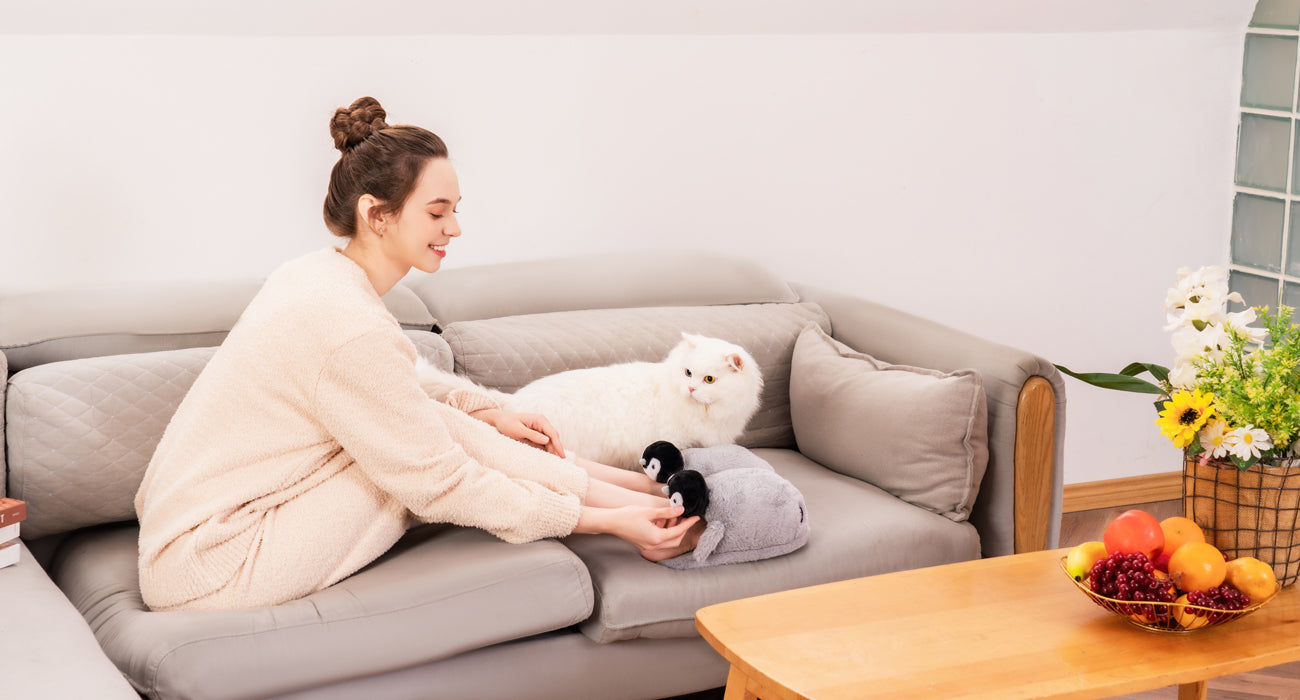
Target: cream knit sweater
x=306, y=448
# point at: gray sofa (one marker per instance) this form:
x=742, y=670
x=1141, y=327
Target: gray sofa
x=93, y=376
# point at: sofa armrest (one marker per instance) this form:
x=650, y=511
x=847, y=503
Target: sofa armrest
x=1019, y=504
x=47, y=649
x=4, y=387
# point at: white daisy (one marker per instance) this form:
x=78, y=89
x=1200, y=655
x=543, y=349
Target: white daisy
x=1214, y=439
x=1246, y=443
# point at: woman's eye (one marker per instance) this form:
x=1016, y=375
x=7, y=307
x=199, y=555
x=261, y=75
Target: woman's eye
x=708, y=379
x=688, y=373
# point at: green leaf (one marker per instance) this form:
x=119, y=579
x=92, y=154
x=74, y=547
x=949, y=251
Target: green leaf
x=1119, y=382
x=1160, y=373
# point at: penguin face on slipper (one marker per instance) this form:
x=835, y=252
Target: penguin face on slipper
x=661, y=460
x=688, y=489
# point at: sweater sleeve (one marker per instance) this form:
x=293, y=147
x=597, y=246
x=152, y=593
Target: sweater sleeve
x=367, y=396
x=453, y=390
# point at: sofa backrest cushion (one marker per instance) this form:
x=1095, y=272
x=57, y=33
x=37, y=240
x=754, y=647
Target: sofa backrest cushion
x=606, y=281
x=920, y=434
x=507, y=353
x=80, y=433
x=67, y=324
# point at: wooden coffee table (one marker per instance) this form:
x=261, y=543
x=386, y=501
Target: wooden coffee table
x=1006, y=627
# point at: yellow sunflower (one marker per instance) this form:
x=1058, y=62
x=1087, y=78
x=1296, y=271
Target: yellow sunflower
x=1184, y=415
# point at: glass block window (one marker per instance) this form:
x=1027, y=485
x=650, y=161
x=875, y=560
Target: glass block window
x=1266, y=208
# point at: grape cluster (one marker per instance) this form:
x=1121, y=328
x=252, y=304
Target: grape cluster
x=1132, y=577
x=1224, y=597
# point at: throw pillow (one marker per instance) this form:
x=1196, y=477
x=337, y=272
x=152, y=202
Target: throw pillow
x=920, y=434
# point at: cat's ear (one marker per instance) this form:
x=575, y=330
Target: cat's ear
x=736, y=362
x=691, y=341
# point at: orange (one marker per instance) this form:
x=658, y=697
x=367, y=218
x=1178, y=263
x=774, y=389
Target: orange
x=1185, y=617
x=1179, y=531
x=1197, y=566
x=1252, y=577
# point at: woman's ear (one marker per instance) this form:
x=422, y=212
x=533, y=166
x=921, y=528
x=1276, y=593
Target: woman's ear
x=368, y=214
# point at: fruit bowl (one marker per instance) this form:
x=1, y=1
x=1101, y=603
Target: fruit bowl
x=1165, y=617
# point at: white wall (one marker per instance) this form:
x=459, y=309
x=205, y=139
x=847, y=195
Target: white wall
x=1032, y=185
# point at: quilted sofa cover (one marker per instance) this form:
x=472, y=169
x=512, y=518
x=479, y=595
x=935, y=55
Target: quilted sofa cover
x=80, y=433
x=507, y=353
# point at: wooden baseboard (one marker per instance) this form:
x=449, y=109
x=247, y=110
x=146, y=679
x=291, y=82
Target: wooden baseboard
x=1130, y=490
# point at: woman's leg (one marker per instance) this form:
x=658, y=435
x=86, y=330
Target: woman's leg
x=602, y=494
x=632, y=480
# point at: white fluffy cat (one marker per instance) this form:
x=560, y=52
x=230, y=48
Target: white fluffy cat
x=702, y=394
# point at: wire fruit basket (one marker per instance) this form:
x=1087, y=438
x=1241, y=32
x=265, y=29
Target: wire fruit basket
x=1166, y=617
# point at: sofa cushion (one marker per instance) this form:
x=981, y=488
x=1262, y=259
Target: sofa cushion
x=919, y=434
x=439, y=592
x=857, y=530
x=507, y=353
x=80, y=433
x=46, y=647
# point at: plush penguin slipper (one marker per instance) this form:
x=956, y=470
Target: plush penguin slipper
x=751, y=512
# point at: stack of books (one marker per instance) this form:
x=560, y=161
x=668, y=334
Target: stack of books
x=12, y=512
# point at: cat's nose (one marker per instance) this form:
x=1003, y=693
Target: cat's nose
x=691, y=389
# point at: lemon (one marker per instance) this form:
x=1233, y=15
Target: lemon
x=1081, y=558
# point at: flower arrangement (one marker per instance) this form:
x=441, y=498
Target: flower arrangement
x=1234, y=390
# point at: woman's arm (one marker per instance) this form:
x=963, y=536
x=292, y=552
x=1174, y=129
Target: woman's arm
x=367, y=398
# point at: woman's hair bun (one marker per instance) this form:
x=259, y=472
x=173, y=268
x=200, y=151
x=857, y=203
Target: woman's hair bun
x=354, y=124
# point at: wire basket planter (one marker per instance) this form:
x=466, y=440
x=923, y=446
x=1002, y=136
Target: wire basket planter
x=1253, y=513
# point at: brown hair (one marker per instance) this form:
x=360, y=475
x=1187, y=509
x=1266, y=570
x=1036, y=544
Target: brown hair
x=379, y=160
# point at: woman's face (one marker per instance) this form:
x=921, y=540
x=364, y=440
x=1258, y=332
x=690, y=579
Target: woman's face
x=427, y=222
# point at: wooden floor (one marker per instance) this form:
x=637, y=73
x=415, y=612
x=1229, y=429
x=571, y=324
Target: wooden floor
x=1276, y=683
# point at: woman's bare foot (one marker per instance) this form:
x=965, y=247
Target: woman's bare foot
x=688, y=543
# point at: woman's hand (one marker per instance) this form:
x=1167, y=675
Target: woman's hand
x=643, y=526
x=529, y=428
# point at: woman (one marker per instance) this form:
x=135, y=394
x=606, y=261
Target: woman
x=306, y=447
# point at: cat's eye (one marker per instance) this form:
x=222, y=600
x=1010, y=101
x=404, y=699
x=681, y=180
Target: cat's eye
x=688, y=373
x=708, y=379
